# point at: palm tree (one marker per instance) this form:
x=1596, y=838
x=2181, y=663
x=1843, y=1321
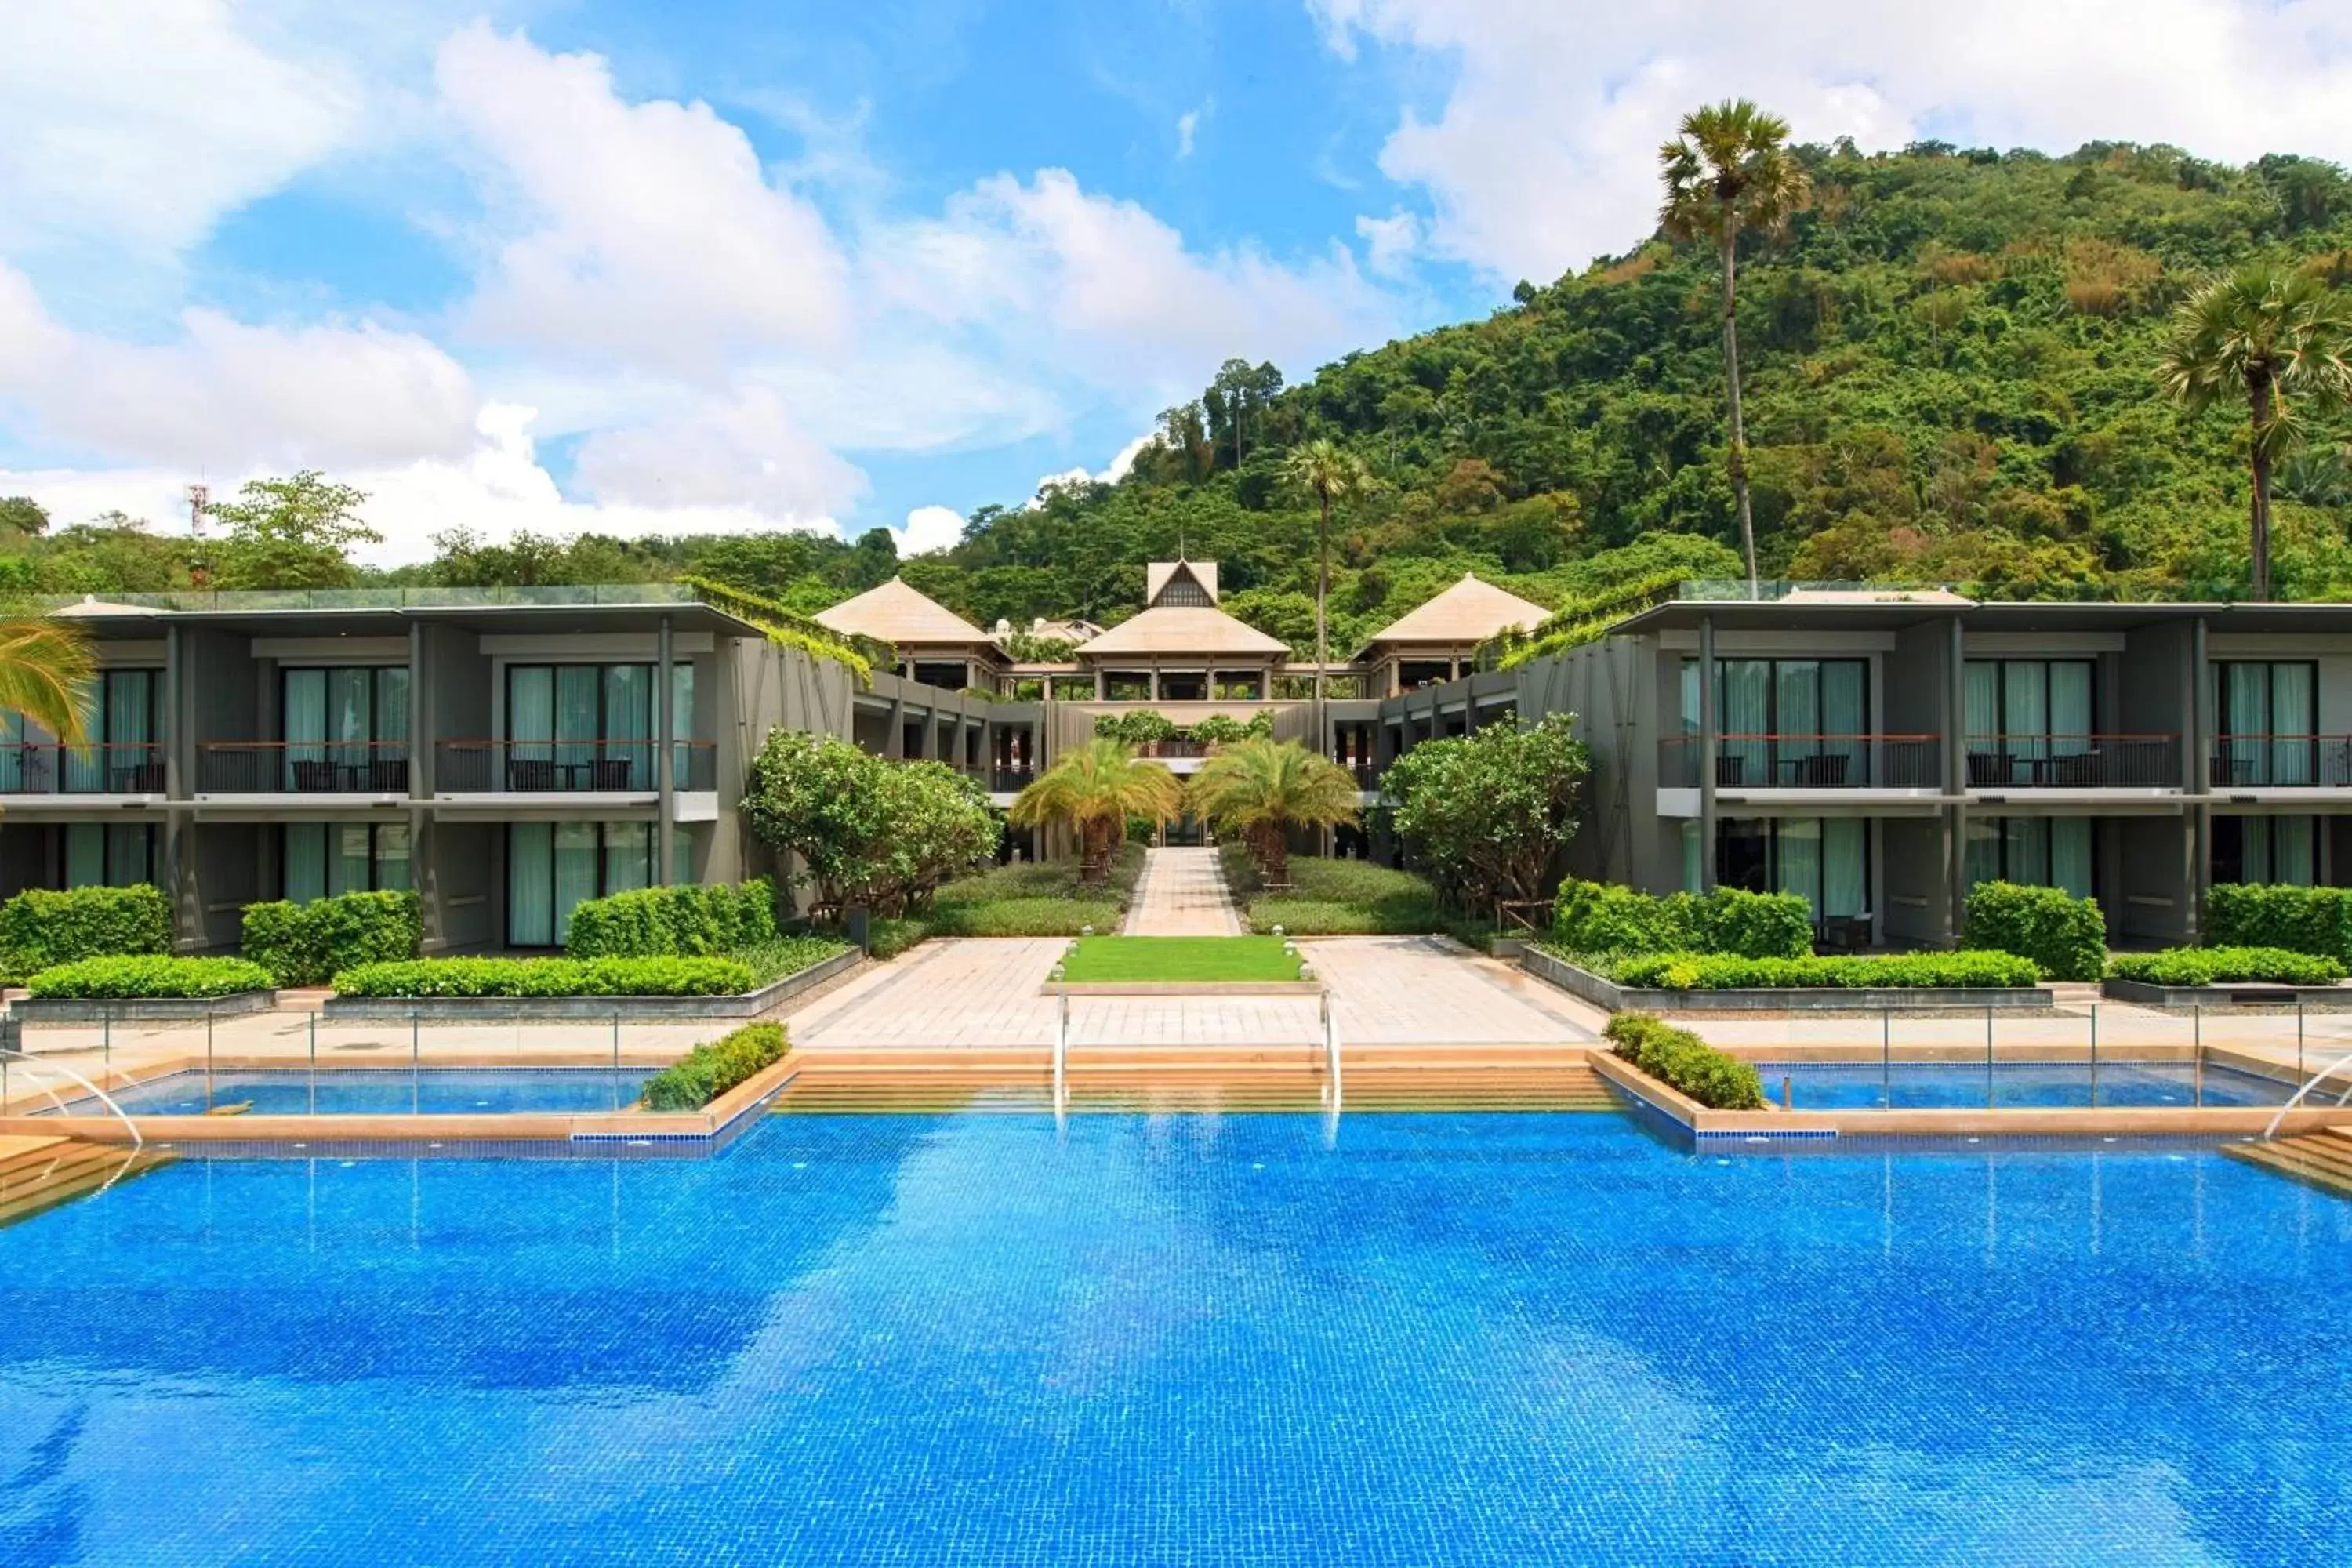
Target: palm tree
x=1728, y=169
x=46, y=670
x=1329, y=472
x=2279, y=338
x=1094, y=790
x=1260, y=790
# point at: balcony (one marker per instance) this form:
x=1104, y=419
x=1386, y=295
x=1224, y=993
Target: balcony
x=569, y=767
x=1010, y=780
x=1806, y=761
x=130, y=767
x=2074, y=762
x=2281, y=761
x=302, y=767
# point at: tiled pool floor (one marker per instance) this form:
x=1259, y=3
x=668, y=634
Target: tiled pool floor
x=379, y=1092
x=1864, y=1086
x=1500, y=1339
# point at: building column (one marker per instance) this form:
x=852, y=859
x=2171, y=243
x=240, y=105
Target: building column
x=1708, y=746
x=2199, y=750
x=1955, y=781
x=664, y=756
x=894, y=744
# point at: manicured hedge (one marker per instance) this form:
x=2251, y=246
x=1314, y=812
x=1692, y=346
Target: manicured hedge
x=307, y=944
x=1601, y=917
x=148, y=977
x=1024, y=917
x=2212, y=965
x=2300, y=919
x=2065, y=935
x=548, y=977
x=689, y=921
x=778, y=957
x=1681, y=1060
x=1725, y=972
x=713, y=1067
x=40, y=930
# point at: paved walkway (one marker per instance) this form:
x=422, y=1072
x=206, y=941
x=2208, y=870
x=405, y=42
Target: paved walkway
x=1183, y=893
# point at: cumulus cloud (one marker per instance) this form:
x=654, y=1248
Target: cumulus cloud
x=1121, y=463
x=1188, y=126
x=930, y=528
x=1389, y=242
x=743, y=449
x=1543, y=153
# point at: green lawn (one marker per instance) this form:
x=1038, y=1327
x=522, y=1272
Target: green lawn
x=1101, y=959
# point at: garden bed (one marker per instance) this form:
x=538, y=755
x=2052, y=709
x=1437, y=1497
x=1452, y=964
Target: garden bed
x=1182, y=965
x=149, y=987
x=1603, y=991
x=2227, y=976
x=2230, y=993
x=42, y=1010
x=1333, y=898
x=755, y=1002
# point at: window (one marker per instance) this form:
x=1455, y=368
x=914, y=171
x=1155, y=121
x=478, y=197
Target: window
x=1182, y=591
x=2037, y=851
x=1785, y=721
x=554, y=866
x=2266, y=849
x=108, y=854
x=126, y=755
x=2265, y=714
x=2020, y=712
x=1824, y=861
x=593, y=724
x=320, y=859
x=337, y=720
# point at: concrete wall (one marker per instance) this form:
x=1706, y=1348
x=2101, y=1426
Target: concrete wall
x=1911, y=868
x=2153, y=894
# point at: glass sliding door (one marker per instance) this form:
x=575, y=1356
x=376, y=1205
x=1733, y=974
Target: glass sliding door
x=576, y=871
x=2035, y=851
x=124, y=756
x=592, y=726
x=2266, y=849
x=2267, y=714
x=627, y=761
x=109, y=855
x=1824, y=861
x=530, y=884
x=345, y=728
x=1792, y=723
x=552, y=868
x=2023, y=712
x=323, y=859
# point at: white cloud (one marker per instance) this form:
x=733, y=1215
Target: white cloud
x=223, y=395
x=646, y=233
x=742, y=449
x=1121, y=463
x=1389, y=242
x=1188, y=126
x=1543, y=154
x=930, y=528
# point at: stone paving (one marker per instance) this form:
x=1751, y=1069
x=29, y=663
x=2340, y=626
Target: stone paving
x=1183, y=893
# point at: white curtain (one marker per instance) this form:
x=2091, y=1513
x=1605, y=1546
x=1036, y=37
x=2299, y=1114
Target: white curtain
x=1798, y=841
x=531, y=711
x=2292, y=746
x=576, y=871
x=2025, y=712
x=1797, y=689
x=629, y=721
x=1845, y=713
x=576, y=729
x=1845, y=862
x=392, y=703
x=1744, y=709
x=303, y=725
x=2069, y=706
x=530, y=884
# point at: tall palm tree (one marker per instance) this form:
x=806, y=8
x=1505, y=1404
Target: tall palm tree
x=1329, y=472
x=2281, y=339
x=1094, y=790
x=1261, y=789
x=46, y=670
x=1728, y=169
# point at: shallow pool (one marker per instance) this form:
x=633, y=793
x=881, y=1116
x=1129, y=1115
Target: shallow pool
x=370, y=1092
x=1923, y=1086
x=1183, y=1339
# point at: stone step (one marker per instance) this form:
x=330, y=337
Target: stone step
x=75, y=1175
x=2313, y=1158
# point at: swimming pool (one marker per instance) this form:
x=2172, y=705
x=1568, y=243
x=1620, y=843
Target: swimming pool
x=1449, y=1339
x=371, y=1091
x=1922, y=1086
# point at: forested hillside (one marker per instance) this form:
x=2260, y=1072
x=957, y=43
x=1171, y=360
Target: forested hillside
x=1950, y=371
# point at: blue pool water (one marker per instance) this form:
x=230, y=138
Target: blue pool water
x=1448, y=1340
x=353, y=1091
x=1864, y=1086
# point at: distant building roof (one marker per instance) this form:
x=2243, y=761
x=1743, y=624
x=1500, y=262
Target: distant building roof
x=1160, y=575
x=1183, y=629
x=898, y=614
x=1469, y=612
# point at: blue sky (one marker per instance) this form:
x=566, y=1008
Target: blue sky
x=637, y=267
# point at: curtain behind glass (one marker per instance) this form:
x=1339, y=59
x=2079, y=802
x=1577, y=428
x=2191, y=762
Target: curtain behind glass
x=629, y=726
x=85, y=854
x=2024, y=714
x=681, y=719
x=348, y=867
x=576, y=871
x=2025, y=849
x=2292, y=746
x=1798, y=841
x=1981, y=694
x=1845, y=713
x=305, y=871
x=392, y=707
x=11, y=753
x=1983, y=849
x=530, y=713
x=2069, y=855
x=577, y=690
x=2246, y=693
x=1694, y=870
x=129, y=855
x=2069, y=707
x=2294, y=850
x=1796, y=724
x=530, y=884
x=348, y=695
x=1744, y=702
x=303, y=725
x=1845, y=860
x=392, y=856
x=628, y=856
x=1690, y=697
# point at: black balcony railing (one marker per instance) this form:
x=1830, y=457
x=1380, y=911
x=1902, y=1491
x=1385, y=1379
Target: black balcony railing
x=569, y=767
x=126, y=767
x=302, y=767
x=1010, y=780
x=1806, y=761
x=2272, y=762
x=2074, y=762
x=1367, y=775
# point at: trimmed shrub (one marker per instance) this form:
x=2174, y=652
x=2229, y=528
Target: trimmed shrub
x=778, y=957
x=687, y=922
x=40, y=930
x=1682, y=1061
x=2213, y=965
x=306, y=944
x=1601, y=917
x=2300, y=919
x=713, y=1067
x=1024, y=917
x=2065, y=935
x=1725, y=972
x=146, y=977
x=548, y=977
x=886, y=939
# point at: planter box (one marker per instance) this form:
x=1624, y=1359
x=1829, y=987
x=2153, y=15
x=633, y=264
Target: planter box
x=743, y=1006
x=2240, y=994
x=142, y=1009
x=1605, y=993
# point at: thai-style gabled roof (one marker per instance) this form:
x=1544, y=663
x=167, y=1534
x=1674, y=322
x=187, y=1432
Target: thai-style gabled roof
x=1469, y=612
x=1159, y=574
x=898, y=614
x=1181, y=630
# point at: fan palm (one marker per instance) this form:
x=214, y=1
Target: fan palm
x=2281, y=340
x=1329, y=472
x=1729, y=169
x=46, y=669
x=1094, y=790
x=1260, y=790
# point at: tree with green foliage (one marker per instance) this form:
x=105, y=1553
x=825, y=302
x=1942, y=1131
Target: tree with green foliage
x=1730, y=169
x=867, y=831
x=46, y=674
x=1094, y=791
x=22, y=514
x=1323, y=471
x=1264, y=791
x=294, y=532
x=1482, y=814
x=2278, y=338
